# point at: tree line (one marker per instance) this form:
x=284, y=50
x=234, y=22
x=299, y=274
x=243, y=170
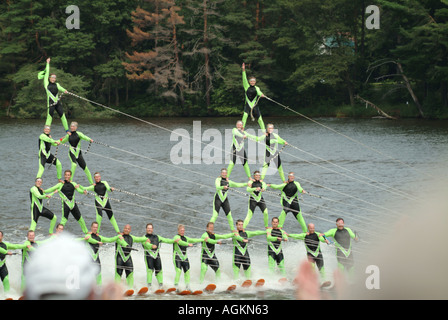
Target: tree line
x=183, y=57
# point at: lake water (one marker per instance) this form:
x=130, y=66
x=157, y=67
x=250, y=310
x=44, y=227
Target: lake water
x=367, y=182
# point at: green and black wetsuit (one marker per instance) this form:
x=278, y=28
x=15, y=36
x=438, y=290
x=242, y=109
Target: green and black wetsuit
x=256, y=200
x=209, y=258
x=38, y=209
x=45, y=156
x=102, y=190
x=26, y=254
x=53, y=102
x=94, y=248
x=275, y=250
x=220, y=199
x=75, y=153
x=238, y=151
x=180, y=258
x=313, y=250
x=66, y=191
x=343, y=243
x=4, y=274
x=123, y=259
x=241, y=256
x=290, y=202
x=272, y=140
x=251, y=96
x=153, y=261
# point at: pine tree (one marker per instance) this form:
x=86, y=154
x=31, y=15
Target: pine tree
x=161, y=66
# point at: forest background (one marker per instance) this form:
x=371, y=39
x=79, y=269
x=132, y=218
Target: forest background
x=183, y=58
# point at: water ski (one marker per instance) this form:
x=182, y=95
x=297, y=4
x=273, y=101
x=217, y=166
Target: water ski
x=197, y=292
x=129, y=293
x=143, y=290
x=210, y=288
x=170, y=290
x=9, y=299
x=260, y=283
x=184, y=293
x=231, y=288
x=282, y=280
x=325, y=284
x=247, y=284
x=160, y=291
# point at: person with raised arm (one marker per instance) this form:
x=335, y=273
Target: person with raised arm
x=52, y=89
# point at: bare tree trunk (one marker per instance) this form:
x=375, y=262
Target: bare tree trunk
x=177, y=62
x=408, y=85
x=376, y=108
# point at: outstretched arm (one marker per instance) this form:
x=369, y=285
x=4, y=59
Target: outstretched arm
x=237, y=184
x=194, y=240
x=165, y=240
x=84, y=137
x=251, y=234
x=57, y=187
x=12, y=246
x=297, y=236
x=277, y=186
x=60, y=88
x=330, y=233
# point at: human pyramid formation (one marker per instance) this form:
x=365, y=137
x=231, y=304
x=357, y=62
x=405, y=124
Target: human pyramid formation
x=151, y=242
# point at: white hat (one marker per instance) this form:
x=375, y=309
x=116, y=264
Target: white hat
x=60, y=269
